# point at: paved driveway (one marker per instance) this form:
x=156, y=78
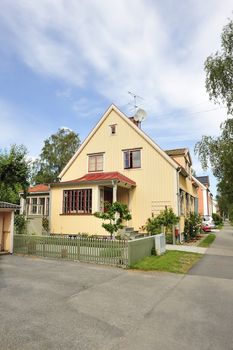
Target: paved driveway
x=49, y=304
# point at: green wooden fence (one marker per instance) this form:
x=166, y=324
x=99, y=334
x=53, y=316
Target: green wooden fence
x=102, y=251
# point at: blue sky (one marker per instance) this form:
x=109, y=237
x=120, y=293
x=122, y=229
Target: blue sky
x=64, y=62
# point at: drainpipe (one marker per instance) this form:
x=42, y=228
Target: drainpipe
x=178, y=195
x=49, y=208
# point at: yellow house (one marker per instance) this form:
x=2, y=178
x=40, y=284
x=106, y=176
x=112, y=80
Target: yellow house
x=116, y=162
x=188, y=187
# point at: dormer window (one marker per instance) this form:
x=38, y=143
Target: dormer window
x=113, y=129
x=95, y=162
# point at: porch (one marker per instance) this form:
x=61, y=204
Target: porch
x=89, y=193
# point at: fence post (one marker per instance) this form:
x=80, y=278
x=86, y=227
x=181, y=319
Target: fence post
x=43, y=245
x=129, y=254
x=78, y=249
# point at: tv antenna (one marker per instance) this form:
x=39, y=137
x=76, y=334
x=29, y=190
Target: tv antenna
x=135, y=100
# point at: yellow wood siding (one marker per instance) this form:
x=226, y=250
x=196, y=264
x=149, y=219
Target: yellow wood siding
x=155, y=180
x=186, y=185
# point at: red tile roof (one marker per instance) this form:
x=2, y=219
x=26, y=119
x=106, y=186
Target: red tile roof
x=39, y=188
x=97, y=177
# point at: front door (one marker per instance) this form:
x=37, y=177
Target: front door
x=108, y=194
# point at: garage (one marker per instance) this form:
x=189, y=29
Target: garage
x=7, y=226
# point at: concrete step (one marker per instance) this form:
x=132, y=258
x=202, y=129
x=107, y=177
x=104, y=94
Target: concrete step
x=128, y=229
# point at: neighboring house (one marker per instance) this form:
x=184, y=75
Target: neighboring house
x=7, y=226
x=35, y=207
x=215, y=207
x=187, y=186
x=117, y=162
x=205, y=203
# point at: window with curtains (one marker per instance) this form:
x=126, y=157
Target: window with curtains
x=95, y=162
x=77, y=201
x=132, y=159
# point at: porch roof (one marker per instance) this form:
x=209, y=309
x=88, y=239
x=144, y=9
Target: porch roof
x=98, y=178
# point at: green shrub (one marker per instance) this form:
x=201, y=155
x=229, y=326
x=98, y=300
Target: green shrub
x=192, y=226
x=166, y=218
x=45, y=224
x=217, y=219
x=20, y=224
x=153, y=226
x=115, y=214
x=169, y=238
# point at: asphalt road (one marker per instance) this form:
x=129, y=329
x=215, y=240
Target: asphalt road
x=50, y=304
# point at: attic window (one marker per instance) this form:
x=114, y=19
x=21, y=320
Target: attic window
x=113, y=129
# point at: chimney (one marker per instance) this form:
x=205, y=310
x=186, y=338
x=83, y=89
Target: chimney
x=136, y=122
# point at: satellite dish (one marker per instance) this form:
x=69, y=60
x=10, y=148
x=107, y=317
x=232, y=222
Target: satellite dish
x=140, y=115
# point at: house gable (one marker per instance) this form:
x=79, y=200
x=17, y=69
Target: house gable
x=125, y=160
x=135, y=138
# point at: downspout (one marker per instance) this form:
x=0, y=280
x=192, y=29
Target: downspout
x=50, y=206
x=178, y=195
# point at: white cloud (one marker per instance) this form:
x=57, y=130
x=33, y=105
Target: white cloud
x=155, y=49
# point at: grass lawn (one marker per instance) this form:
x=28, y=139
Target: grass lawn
x=172, y=261
x=207, y=241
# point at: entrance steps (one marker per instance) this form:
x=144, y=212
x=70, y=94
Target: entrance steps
x=130, y=232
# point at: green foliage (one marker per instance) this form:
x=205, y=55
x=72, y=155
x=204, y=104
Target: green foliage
x=219, y=70
x=166, y=218
x=153, y=226
x=20, y=223
x=207, y=241
x=192, y=225
x=172, y=261
x=55, y=154
x=115, y=214
x=217, y=219
x=231, y=215
x=14, y=173
x=218, y=153
x=45, y=224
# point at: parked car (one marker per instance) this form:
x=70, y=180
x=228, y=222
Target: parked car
x=206, y=228
x=207, y=223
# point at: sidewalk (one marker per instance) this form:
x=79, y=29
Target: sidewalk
x=186, y=248
x=218, y=260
